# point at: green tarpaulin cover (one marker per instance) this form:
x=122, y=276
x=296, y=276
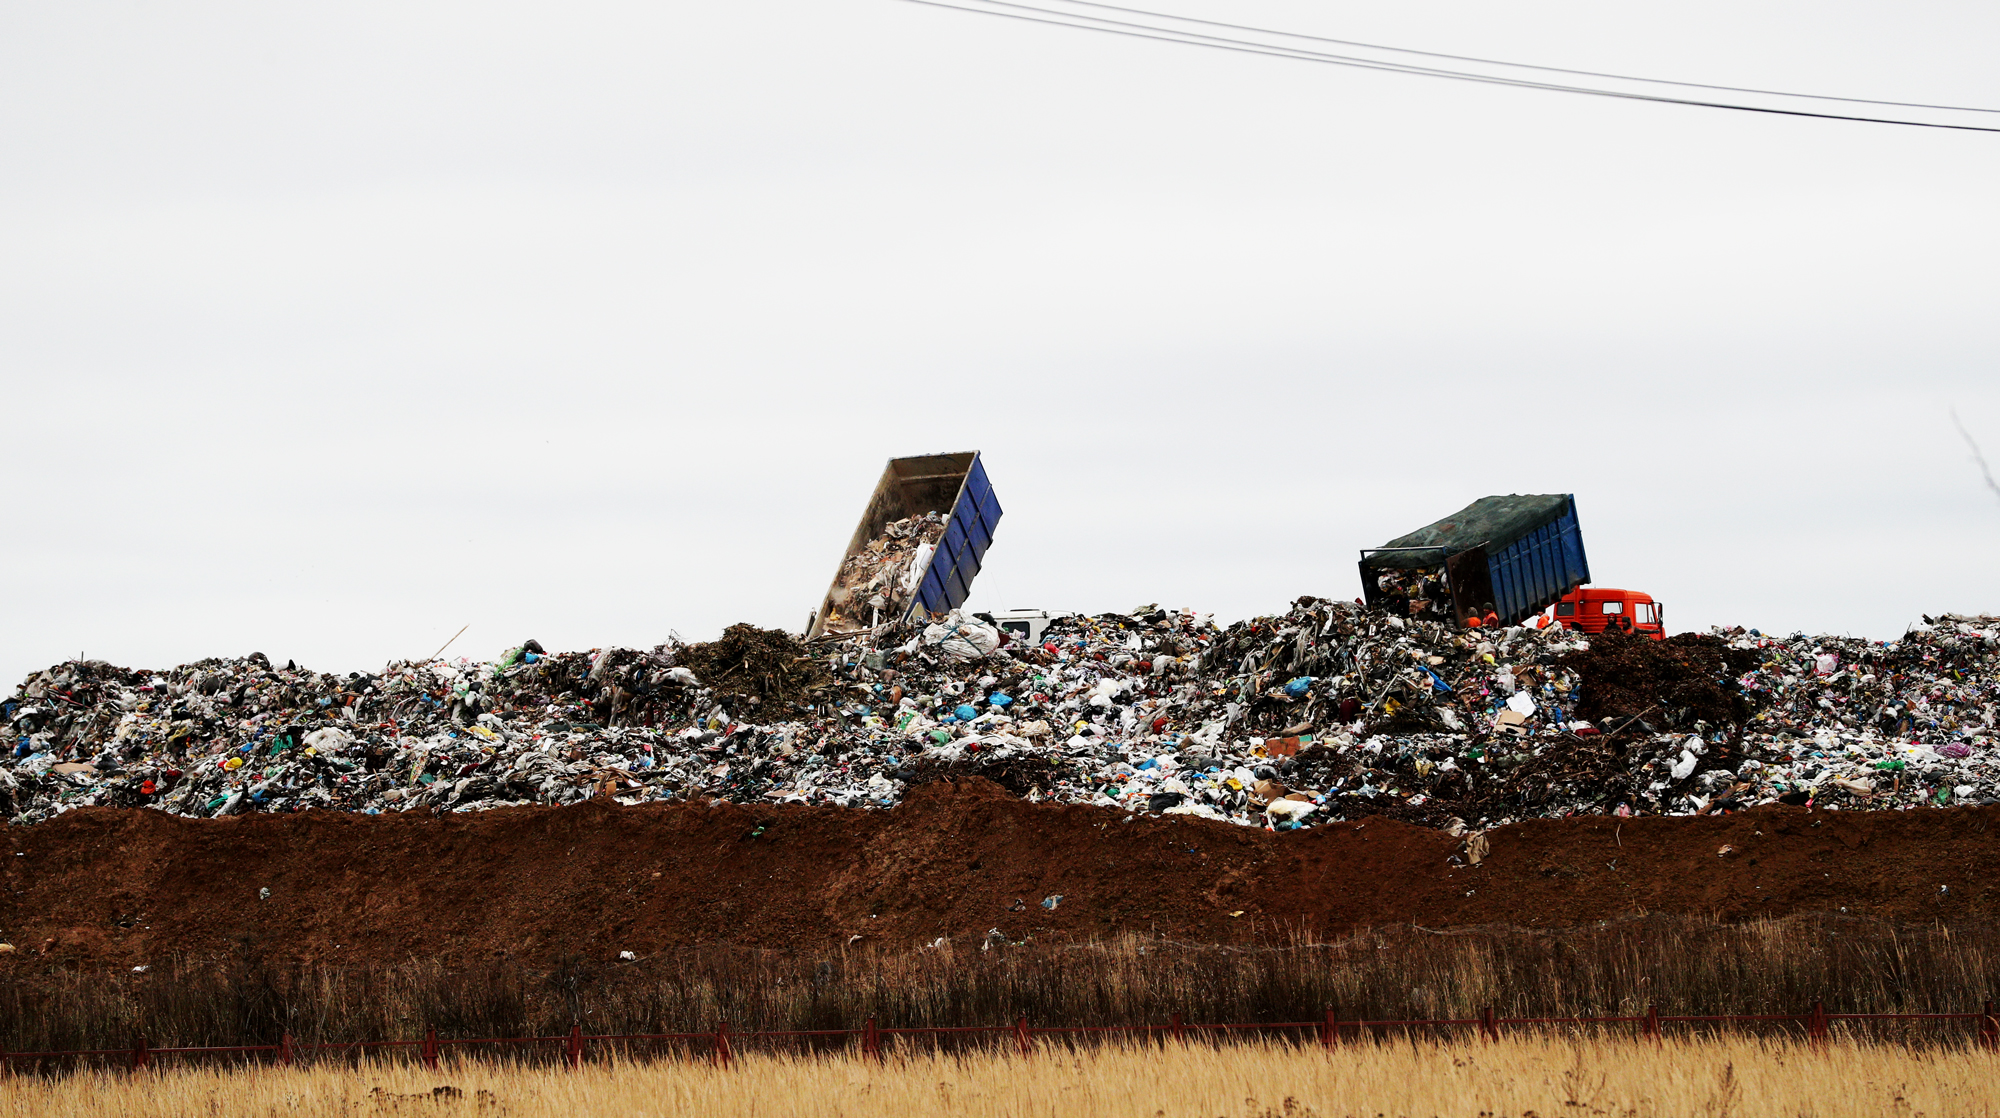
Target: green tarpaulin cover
x=1493, y=522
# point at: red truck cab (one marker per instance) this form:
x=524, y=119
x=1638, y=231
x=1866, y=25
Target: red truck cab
x=1593, y=609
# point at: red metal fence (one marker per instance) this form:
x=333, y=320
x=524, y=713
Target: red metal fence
x=721, y=1045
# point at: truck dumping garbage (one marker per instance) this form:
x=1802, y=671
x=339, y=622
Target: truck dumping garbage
x=1520, y=553
x=919, y=545
x=1354, y=711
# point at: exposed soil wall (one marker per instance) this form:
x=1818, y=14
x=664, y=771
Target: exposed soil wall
x=106, y=886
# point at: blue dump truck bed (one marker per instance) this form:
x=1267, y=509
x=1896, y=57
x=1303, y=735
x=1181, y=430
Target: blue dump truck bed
x=1520, y=552
x=920, y=543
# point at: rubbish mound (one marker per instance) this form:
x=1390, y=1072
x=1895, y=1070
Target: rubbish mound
x=758, y=665
x=1325, y=712
x=1690, y=676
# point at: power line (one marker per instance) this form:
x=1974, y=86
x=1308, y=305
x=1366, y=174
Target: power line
x=1190, y=38
x=1524, y=65
x=1239, y=46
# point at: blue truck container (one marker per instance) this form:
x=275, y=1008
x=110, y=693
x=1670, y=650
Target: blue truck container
x=954, y=484
x=1521, y=552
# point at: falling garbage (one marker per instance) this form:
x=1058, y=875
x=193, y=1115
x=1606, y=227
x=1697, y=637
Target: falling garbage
x=918, y=547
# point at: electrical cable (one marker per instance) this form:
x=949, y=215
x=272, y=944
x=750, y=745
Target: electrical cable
x=1239, y=46
x=1524, y=65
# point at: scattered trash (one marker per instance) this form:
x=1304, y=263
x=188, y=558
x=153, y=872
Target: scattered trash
x=1325, y=712
x=1286, y=814
x=1050, y=903
x=1476, y=847
x=627, y=957
x=264, y=894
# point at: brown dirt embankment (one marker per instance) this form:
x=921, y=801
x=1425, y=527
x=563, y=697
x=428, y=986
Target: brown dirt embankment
x=114, y=887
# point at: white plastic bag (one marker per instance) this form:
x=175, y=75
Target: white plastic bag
x=919, y=563
x=957, y=638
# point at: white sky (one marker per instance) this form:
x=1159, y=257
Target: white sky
x=328, y=329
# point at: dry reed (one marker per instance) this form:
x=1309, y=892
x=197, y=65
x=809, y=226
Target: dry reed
x=1682, y=964
x=1516, y=1078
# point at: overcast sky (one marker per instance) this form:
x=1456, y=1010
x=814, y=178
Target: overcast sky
x=329, y=329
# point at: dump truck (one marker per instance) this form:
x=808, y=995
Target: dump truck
x=1521, y=552
x=920, y=543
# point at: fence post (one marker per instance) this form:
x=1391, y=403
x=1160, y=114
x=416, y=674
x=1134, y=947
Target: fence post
x=1989, y=1028
x=430, y=1049
x=871, y=1040
x=573, y=1048
x=1488, y=1024
x=1653, y=1023
x=1021, y=1035
x=140, y=1056
x=285, y=1050
x=722, y=1044
x=1816, y=1023
x=1180, y=1030
x=1329, y=1033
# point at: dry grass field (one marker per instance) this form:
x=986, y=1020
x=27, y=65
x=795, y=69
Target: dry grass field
x=1515, y=1078
x=1683, y=964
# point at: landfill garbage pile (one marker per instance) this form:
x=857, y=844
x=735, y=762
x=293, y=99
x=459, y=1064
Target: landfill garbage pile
x=877, y=581
x=1325, y=712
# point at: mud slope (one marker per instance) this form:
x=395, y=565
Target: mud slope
x=107, y=886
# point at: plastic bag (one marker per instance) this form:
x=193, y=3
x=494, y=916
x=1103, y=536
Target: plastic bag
x=919, y=563
x=957, y=638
